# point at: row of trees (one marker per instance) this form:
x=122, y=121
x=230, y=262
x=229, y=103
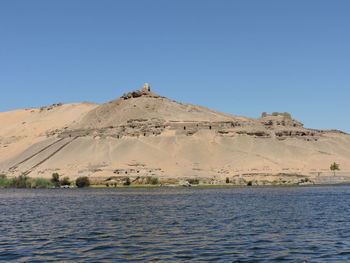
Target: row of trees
x=82, y=181
x=24, y=181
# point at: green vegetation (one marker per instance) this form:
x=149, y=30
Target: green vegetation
x=82, y=181
x=56, y=179
x=23, y=181
x=227, y=180
x=57, y=182
x=334, y=167
x=41, y=183
x=4, y=182
x=65, y=181
x=193, y=180
x=263, y=115
x=152, y=180
x=126, y=181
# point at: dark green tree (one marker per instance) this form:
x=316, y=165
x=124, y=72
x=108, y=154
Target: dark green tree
x=334, y=167
x=55, y=179
x=82, y=181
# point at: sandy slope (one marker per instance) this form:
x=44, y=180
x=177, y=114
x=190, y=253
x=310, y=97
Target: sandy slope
x=152, y=135
x=20, y=129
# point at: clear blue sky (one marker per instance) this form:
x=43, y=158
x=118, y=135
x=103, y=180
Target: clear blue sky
x=240, y=57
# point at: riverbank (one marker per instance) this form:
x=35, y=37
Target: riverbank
x=154, y=182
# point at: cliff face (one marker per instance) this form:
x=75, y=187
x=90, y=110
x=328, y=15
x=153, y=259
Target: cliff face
x=142, y=133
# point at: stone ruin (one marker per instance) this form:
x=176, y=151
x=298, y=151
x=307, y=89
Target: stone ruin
x=146, y=87
x=285, y=115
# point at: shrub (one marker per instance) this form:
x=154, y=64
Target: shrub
x=65, y=181
x=41, y=183
x=5, y=182
x=227, y=180
x=263, y=115
x=56, y=179
x=21, y=181
x=126, y=181
x=154, y=180
x=82, y=181
x=151, y=180
x=25, y=182
x=193, y=180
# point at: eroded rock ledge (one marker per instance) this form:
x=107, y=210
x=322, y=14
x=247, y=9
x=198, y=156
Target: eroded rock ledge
x=273, y=128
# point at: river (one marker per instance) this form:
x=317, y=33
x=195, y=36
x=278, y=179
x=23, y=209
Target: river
x=216, y=224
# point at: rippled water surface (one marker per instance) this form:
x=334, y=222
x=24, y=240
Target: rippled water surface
x=263, y=224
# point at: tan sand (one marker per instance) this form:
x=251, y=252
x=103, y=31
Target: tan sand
x=152, y=135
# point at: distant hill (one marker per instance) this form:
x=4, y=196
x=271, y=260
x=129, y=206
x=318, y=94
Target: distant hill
x=144, y=134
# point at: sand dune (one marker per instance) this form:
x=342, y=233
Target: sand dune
x=143, y=134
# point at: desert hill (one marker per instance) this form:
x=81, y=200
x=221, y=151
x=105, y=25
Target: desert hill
x=144, y=134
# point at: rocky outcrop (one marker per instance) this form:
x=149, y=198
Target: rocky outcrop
x=308, y=135
x=146, y=90
x=139, y=93
x=280, y=126
x=47, y=108
x=152, y=127
x=136, y=93
x=277, y=126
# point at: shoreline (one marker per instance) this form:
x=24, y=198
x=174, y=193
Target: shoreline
x=180, y=186
x=56, y=182
x=184, y=187
x=213, y=185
